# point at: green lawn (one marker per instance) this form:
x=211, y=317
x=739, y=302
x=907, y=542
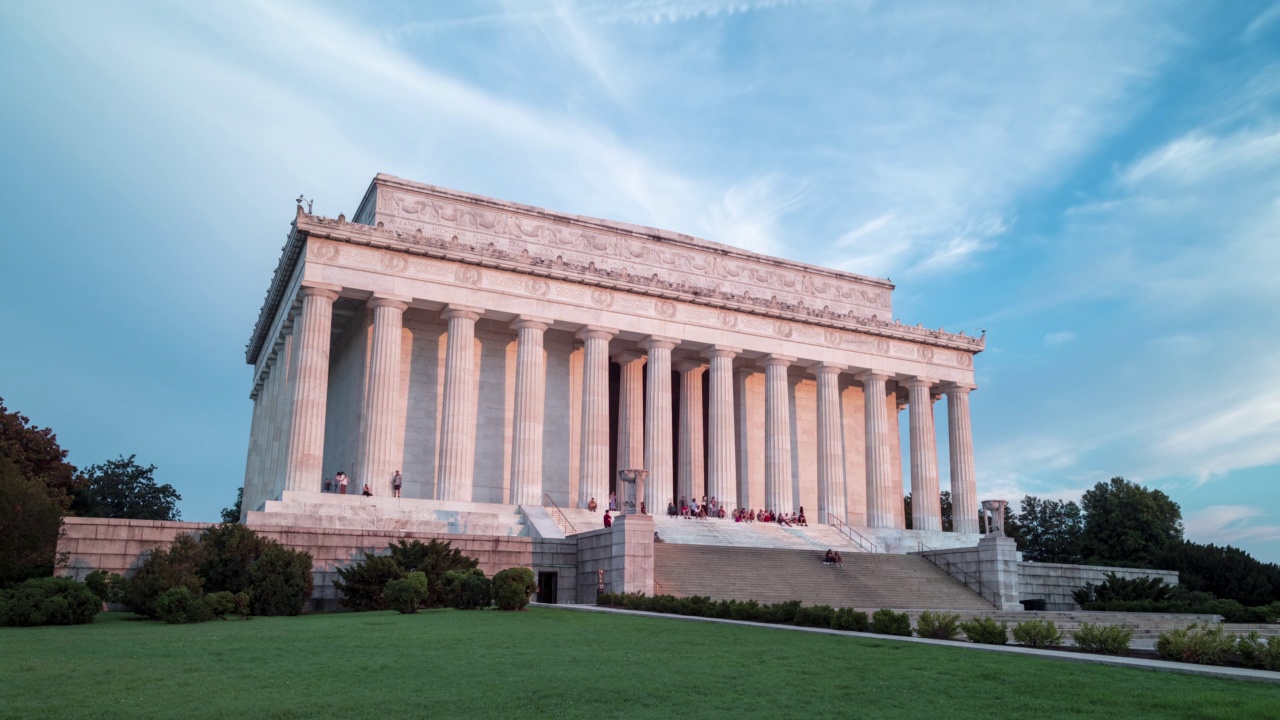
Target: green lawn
x=557, y=663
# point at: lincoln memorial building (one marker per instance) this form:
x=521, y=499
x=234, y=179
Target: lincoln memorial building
x=508, y=357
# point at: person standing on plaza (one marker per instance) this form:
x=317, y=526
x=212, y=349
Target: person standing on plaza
x=396, y=483
x=342, y=483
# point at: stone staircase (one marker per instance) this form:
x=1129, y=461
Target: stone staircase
x=727, y=533
x=355, y=512
x=769, y=575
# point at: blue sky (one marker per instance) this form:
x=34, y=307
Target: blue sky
x=1097, y=185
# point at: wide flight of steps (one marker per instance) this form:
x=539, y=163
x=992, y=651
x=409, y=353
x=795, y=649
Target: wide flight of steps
x=770, y=575
x=355, y=512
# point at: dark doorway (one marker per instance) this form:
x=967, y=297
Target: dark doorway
x=547, y=587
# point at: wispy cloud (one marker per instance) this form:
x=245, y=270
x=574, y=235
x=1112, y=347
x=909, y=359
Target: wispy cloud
x=1231, y=524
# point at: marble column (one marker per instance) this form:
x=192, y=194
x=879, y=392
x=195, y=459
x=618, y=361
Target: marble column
x=690, y=455
x=311, y=389
x=255, y=450
x=742, y=434
x=722, y=461
x=531, y=389
x=964, y=484
x=657, y=424
x=458, y=425
x=831, y=475
x=880, y=493
x=282, y=370
x=926, y=508
x=593, y=463
x=631, y=410
x=778, y=479
x=380, y=443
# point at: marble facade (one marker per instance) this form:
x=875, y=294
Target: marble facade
x=500, y=353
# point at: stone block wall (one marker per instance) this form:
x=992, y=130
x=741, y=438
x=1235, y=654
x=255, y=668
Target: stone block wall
x=624, y=552
x=1054, y=582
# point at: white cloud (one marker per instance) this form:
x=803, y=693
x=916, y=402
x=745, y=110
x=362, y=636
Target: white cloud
x=1230, y=524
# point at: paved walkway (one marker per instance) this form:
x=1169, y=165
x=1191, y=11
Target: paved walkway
x=1141, y=664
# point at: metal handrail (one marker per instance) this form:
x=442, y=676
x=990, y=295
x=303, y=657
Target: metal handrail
x=563, y=518
x=995, y=596
x=852, y=534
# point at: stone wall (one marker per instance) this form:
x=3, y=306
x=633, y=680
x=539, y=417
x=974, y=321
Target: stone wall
x=624, y=552
x=1054, y=582
x=118, y=545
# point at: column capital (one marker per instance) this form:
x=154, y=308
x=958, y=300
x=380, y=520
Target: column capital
x=465, y=312
x=691, y=365
x=881, y=375
x=776, y=360
x=528, y=321
x=918, y=382
x=399, y=302
x=658, y=342
x=826, y=368
x=721, y=351
x=626, y=357
x=595, y=332
x=314, y=289
x=958, y=388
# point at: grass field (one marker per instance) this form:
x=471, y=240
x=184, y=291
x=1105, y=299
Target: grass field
x=557, y=663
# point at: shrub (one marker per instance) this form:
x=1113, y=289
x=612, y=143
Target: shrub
x=512, y=588
x=1037, y=634
x=433, y=559
x=180, y=605
x=1196, y=644
x=888, y=622
x=161, y=570
x=939, y=626
x=361, y=584
x=1104, y=639
x=220, y=603
x=281, y=581
x=48, y=601
x=467, y=589
x=748, y=610
x=406, y=594
x=228, y=553
x=783, y=613
x=819, y=616
x=240, y=602
x=986, y=631
x=1114, y=587
x=850, y=619
x=1259, y=652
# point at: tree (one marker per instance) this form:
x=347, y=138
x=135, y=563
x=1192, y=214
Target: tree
x=1227, y=572
x=36, y=454
x=1051, y=530
x=30, y=522
x=1127, y=524
x=232, y=514
x=122, y=488
x=944, y=499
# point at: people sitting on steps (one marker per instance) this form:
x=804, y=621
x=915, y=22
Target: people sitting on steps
x=671, y=508
x=833, y=558
x=592, y=506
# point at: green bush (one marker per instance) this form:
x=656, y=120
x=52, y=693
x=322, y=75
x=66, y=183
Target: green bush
x=850, y=619
x=220, y=603
x=986, y=631
x=888, y=622
x=240, y=603
x=433, y=559
x=1202, y=645
x=180, y=605
x=938, y=626
x=1037, y=634
x=1114, y=588
x=228, y=552
x=406, y=594
x=163, y=569
x=1104, y=639
x=281, y=581
x=467, y=589
x=783, y=613
x=361, y=584
x=48, y=601
x=1259, y=652
x=748, y=610
x=819, y=616
x=512, y=588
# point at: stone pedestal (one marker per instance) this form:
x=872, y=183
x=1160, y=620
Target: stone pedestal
x=624, y=552
x=998, y=568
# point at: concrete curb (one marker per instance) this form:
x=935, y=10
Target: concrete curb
x=1136, y=663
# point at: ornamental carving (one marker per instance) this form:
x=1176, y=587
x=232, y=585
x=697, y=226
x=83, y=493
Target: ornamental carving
x=925, y=353
x=603, y=298
x=882, y=346
x=537, y=287
x=467, y=275
x=966, y=360
x=727, y=319
x=665, y=309
x=782, y=329
x=833, y=338
x=327, y=252
x=392, y=262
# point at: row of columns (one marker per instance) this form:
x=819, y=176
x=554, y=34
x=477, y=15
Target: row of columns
x=296, y=407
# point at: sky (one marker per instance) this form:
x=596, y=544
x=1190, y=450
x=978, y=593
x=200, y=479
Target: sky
x=1095, y=185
